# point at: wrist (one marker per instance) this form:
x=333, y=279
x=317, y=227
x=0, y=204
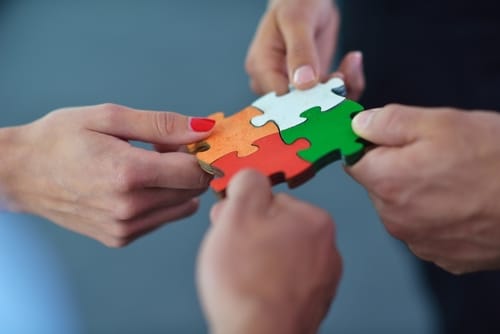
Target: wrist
x=9, y=165
x=260, y=318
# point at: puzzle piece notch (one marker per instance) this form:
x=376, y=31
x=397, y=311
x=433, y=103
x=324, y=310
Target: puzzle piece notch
x=330, y=134
x=286, y=110
x=233, y=133
x=273, y=158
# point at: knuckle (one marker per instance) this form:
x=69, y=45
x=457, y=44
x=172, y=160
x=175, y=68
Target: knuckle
x=111, y=107
x=120, y=230
x=116, y=242
x=390, y=191
x=125, y=209
x=110, y=114
x=321, y=223
x=452, y=268
x=400, y=231
x=393, y=116
x=293, y=15
x=165, y=123
x=126, y=178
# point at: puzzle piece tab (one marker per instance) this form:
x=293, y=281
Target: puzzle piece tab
x=273, y=158
x=234, y=133
x=330, y=135
x=285, y=110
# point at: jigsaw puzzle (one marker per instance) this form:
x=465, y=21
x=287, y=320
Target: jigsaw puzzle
x=288, y=138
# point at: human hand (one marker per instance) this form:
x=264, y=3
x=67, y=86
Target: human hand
x=76, y=168
x=268, y=264
x=294, y=44
x=434, y=180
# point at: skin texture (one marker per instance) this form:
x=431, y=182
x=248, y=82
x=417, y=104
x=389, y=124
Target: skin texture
x=268, y=264
x=76, y=168
x=434, y=180
x=299, y=34
x=433, y=177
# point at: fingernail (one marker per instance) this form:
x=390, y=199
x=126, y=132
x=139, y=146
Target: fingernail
x=358, y=56
x=303, y=75
x=200, y=124
x=362, y=120
x=358, y=61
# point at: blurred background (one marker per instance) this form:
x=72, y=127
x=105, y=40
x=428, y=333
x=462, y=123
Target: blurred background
x=187, y=56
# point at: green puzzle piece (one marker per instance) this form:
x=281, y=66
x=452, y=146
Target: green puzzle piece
x=330, y=134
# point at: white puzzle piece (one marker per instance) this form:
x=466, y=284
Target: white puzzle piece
x=285, y=110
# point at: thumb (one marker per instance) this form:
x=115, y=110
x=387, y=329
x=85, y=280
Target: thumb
x=392, y=125
x=158, y=127
x=301, y=53
x=248, y=193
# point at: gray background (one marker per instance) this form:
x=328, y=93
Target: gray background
x=177, y=55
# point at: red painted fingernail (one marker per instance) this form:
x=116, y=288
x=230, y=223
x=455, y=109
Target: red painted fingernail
x=200, y=124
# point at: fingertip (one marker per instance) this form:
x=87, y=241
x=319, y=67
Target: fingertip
x=352, y=68
x=251, y=188
x=201, y=124
x=304, y=77
x=361, y=122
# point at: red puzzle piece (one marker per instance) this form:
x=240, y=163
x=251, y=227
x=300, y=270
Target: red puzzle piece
x=274, y=158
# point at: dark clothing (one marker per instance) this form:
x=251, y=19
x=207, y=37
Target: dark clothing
x=435, y=53
x=429, y=53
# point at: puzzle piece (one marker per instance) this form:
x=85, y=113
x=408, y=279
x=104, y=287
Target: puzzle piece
x=285, y=110
x=274, y=158
x=233, y=133
x=330, y=135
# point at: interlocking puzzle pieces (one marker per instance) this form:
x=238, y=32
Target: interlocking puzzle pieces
x=286, y=110
x=321, y=133
x=273, y=158
x=233, y=133
x=330, y=135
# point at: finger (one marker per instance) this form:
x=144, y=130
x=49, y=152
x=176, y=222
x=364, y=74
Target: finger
x=142, y=201
x=150, y=126
x=265, y=62
x=352, y=69
x=133, y=229
x=249, y=192
x=166, y=148
x=301, y=53
x=174, y=170
x=272, y=81
x=217, y=208
x=392, y=125
x=326, y=44
x=297, y=208
x=378, y=172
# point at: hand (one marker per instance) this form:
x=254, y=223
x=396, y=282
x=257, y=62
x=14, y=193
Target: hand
x=294, y=44
x=268, y=264
x=76, y=168
x=434, y=179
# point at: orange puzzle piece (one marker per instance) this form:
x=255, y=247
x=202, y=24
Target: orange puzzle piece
x=232, y=134
x=273, y=158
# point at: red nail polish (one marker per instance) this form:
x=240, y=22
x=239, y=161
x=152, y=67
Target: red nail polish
x=199, y=124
